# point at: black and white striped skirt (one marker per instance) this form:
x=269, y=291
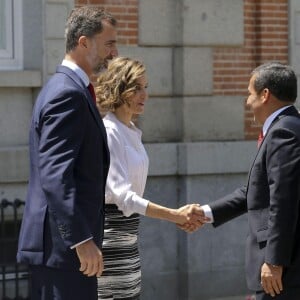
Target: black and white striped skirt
x=121, y=278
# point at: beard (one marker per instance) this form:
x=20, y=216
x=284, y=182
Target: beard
x=102, y=65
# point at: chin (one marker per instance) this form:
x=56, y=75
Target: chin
x=100, y=67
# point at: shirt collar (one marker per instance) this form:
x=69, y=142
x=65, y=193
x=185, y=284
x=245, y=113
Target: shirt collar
x=272, y=117
x=83, y=76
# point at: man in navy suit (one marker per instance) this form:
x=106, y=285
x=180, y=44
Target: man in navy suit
x=62, y=227
x=272, y=194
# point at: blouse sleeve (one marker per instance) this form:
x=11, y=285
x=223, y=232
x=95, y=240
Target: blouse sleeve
x=118, y=186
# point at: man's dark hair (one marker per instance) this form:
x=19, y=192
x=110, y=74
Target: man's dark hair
x=85, y=21
x=280, y=79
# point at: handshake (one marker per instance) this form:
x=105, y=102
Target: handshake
x=190, y=217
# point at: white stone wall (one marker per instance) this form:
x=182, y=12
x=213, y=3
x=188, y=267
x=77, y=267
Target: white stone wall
x=294, y=39
x=195, y=143
x=56, y=13
x=43, y=33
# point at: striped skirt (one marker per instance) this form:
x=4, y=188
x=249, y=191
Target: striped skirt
x=121, y=278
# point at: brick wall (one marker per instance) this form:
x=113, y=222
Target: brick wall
x=265, y=39
x=126, y=12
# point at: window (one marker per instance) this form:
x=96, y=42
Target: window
x=11, y=50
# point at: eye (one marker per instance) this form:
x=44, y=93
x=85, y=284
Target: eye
x=110, y=44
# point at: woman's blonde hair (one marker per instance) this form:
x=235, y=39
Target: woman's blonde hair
x=118, y=83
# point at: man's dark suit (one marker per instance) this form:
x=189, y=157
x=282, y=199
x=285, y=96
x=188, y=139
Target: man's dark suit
x=69, y=161
x=272, y=200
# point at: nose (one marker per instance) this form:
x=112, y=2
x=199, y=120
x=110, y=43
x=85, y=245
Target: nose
x=145, y=94
x=247, y=101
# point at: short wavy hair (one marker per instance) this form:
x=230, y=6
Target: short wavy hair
x=117, y=84
x=85, y=21
x=280, y=79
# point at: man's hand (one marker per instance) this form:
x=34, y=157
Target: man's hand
x=91, y=259
x=194, y=217
x=271, y=279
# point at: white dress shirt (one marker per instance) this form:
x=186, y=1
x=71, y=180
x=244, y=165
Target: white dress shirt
x=128, y=168
x=206, y=208
x=80, y=73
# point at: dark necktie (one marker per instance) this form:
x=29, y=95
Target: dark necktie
x=92, y=91
x=260, y=138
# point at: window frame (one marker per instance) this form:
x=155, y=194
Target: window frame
x=11, y=57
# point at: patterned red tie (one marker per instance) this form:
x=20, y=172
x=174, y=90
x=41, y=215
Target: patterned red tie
x=260, y=138
x=92, y=91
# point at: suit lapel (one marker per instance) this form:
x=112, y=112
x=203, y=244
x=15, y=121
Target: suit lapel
x=290, y=111
x=90, y=100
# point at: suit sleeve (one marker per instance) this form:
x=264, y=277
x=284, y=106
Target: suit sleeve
x=229, y=207
x=283, y=168
x=61, y=127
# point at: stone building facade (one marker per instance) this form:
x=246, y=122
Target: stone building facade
x=198, y=133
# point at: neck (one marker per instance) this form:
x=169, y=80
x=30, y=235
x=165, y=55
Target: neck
x=279, y=106
x=123, y=115
x=79, y=61
x=273, y=105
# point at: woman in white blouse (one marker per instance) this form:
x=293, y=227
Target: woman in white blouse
x=122, y=92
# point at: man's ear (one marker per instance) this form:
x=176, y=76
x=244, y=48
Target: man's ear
x=82, y=41
x=265, y=95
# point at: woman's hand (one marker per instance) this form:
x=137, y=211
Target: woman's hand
x=191, y=217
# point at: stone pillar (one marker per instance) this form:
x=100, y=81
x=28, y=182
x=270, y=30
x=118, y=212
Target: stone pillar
x=192, y=127
x=294, y=39
x=56, y=13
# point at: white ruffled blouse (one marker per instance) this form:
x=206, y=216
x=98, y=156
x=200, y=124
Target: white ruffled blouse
x=128, y=169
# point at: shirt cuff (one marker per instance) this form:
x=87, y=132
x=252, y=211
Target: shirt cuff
x=74, y=246
x=208, y=213
x=140, y=204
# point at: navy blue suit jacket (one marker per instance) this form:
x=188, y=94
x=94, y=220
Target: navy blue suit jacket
x=69, y=161
x=272, y=200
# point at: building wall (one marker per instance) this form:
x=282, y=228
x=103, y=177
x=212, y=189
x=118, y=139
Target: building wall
x=197, y=131
x=43, y=48
x=294, y=38
x=265, y=39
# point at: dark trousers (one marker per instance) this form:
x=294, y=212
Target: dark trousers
x=286, y=294
x=56, y=284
